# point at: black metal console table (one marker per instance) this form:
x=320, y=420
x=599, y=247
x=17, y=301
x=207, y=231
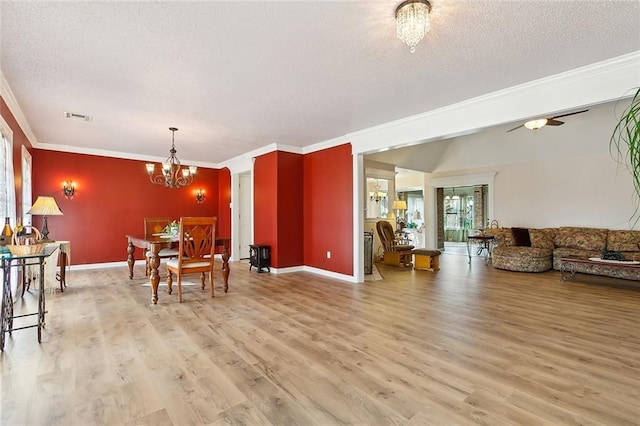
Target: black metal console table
x=8, y=262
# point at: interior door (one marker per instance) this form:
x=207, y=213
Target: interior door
x=245, y=215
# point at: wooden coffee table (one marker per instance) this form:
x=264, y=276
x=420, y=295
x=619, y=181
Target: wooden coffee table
x=569, y=264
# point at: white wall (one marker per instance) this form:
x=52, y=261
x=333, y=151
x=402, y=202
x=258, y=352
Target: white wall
x=408, y=180
x=555, y=176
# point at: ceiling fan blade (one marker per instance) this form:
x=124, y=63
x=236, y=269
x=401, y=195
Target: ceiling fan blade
x=566, y=115
x=551, y=121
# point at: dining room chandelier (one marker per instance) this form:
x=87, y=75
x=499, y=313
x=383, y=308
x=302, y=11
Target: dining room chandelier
x=412, y=21
x=377, y=195
x=173, y=174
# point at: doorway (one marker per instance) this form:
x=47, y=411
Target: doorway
x=413, y=216
x=461, y=211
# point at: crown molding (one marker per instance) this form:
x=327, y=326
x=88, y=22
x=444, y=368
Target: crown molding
x=115, y=154
x=593, y=84
x=589, y=85
x=331, y=143
x=290, y=148
x=244, y=163
x=14, y=108
x=463, y=180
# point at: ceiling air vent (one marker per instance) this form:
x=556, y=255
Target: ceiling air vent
x=77, y=116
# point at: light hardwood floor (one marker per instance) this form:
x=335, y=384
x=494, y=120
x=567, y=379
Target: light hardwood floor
x=467, y=345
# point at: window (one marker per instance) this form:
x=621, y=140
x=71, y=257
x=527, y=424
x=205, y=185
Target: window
x=27, y=197
x=7, y=184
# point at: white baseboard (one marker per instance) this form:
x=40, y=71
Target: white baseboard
x=311, y=269
x=287, y=270
x=100, y=265
x=116, y=264
x=330, y=274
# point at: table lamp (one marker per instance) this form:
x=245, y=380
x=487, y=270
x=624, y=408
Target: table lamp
x=400, y=206
x=45, y=206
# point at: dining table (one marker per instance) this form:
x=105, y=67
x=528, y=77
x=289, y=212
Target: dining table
x=154, y=243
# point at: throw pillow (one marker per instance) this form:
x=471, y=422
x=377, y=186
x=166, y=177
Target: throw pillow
x=521, y=237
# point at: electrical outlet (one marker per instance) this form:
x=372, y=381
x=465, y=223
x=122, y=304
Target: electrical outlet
x=328, y=255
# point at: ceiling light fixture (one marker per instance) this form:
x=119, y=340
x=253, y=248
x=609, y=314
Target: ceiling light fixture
x=452, y=196
x=377, y=195
x=536, y=124
x=173, y=175
x=412, y=21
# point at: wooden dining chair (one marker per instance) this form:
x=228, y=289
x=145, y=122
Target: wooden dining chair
x=155, y=226
x=195, y=252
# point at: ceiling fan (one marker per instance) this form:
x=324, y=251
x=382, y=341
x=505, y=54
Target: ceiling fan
x=549, y=121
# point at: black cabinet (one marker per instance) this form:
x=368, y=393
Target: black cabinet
x=260, y=257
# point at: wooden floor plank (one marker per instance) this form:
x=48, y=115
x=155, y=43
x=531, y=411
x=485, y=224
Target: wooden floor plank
x=466, y=345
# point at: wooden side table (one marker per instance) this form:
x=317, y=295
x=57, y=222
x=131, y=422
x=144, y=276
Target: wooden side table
x=64, y=261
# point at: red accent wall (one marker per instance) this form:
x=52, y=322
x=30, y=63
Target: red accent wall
x=303, y=208
x=328, y=209
x=278, y=207
x=290, y=225
x=112, y=198
x=265, y=204
x=223, y=228
x=19, y=140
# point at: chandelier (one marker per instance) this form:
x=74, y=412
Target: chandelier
x=412, y=21
x=173, y=175
x=452, y=196
x=377, y=194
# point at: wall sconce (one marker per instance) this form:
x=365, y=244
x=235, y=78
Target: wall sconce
x=69, y=189
x=199, y=196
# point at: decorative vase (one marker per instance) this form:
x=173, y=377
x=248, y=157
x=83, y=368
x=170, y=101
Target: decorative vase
x=7, y=233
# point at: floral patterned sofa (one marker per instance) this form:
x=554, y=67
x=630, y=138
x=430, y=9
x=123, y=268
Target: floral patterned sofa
x=535, y=258
x=548, y=245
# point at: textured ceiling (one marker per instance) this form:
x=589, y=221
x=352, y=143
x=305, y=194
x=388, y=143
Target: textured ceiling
x=236, y=76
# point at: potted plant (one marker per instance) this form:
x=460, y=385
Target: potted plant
x=624, y=145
